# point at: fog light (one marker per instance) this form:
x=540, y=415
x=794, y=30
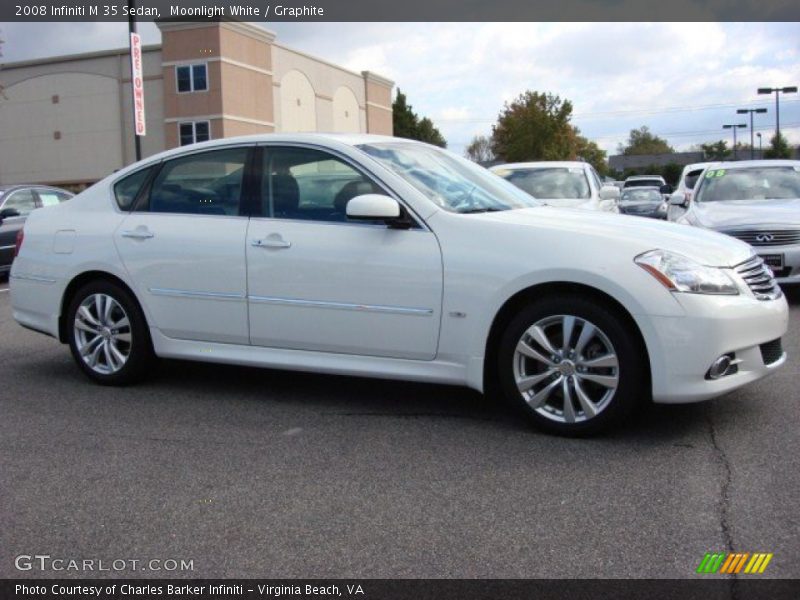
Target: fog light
x=719, y=367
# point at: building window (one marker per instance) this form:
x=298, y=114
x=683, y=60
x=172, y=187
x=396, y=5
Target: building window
x=192, y=132
x=192, y=78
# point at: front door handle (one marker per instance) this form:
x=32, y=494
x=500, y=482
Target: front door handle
x=138, y=234
x=271, y=242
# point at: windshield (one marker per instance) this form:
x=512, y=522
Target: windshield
x=452, y=183
x=641, y=195
x=755, y=183
x=643, y=183
x=551, y=182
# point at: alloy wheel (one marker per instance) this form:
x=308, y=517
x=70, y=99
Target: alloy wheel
x=102, y=333
x=566, y=368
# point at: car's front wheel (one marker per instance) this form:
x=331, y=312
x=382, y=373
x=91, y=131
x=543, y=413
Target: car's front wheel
x=573, y=366
x=108, y=334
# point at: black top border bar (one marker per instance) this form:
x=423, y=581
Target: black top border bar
x=266, y=11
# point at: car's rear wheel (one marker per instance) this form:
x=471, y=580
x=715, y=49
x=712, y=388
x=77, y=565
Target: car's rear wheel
x=573, y=366
x=108, y=334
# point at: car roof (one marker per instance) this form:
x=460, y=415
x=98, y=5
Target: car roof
x=639, y=188
x=698, y=166
x=745, y=164
x=634, y=177
x=17, y=186
x=542, y=164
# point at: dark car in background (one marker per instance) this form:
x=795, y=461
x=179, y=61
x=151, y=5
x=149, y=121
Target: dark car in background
x=643, y=202
x=16, y=203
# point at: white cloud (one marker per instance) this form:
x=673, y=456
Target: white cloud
x=617, y=75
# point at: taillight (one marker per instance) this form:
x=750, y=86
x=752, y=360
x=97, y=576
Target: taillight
x=18, y=243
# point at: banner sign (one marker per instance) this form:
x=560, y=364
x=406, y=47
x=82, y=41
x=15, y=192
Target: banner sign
x=137, y=84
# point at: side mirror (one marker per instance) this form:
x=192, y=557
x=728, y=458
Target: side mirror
x=679, y=199
x=666, y=189
x=609, y=192
x=8, y=212
x=373, y=207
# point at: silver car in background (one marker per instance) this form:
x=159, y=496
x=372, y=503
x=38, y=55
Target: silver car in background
x=564, y=184
x=756, y=201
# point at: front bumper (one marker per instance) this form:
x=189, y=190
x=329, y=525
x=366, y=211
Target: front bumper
x=683, y=348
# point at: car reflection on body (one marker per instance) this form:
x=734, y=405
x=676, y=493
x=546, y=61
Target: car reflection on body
x=757, y=202
x=566, y=184
x=643, y=202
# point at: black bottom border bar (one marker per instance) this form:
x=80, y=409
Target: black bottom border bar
x=401, y=589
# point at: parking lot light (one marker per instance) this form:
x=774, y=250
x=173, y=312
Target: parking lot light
x=792, y=89
x=734, y=127
x=744, y=111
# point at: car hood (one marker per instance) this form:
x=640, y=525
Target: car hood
x=564, y=202
x=640, y=235
x=747, y=213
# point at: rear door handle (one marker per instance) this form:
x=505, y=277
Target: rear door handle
x=137, y=234
x=271, y=242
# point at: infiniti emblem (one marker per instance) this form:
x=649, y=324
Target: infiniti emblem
x=765, y=237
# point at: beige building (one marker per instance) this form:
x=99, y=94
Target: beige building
x=67, y=120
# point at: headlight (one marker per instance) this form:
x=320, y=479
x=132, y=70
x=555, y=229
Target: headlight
x=680, y=274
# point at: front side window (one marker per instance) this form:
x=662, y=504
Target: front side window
x=756, y=183
x=691, y=178
x=23, y=201
x=207, y=183
x=454, y=184
x=552, y=182
x=191, y=78
x=192, y=132
x=311, y=185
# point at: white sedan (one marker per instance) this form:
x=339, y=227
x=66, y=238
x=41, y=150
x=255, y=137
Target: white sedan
x=565, y=184
x=382, y=257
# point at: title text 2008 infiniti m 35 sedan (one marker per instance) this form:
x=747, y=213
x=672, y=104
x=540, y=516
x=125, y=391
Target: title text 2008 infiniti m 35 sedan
x=382, y=257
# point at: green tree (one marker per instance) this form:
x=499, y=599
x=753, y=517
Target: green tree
x=535, y=126
x=778, y=147
x=407, y=124
x=479, y=149
x=643, y=141
x=672, y=173
x=587, y=150
x=716, y=150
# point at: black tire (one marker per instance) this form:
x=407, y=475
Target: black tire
x=140, y=349
x=632, y=385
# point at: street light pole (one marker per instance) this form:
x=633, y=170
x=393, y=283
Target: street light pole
x=132, y=29
x=778, y=91
x=744, y=111
x=735, y=127
x=760, y=152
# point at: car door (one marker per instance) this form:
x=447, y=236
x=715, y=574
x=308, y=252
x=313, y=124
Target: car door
x=22, y=201
x=183, y=246
x=319, y=281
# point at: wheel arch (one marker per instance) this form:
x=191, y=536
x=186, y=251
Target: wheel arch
x=538, y=291
x=76, y=283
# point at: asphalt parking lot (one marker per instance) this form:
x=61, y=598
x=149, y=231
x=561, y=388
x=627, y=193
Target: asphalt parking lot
x=270, y=474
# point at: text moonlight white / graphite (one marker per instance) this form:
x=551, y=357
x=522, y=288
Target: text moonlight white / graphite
x=246, y=10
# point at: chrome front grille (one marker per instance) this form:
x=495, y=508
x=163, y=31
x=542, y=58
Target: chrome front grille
x=759, y=278
x=766, y=237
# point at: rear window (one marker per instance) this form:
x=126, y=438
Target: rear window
x=126, y=189
x=643, y=183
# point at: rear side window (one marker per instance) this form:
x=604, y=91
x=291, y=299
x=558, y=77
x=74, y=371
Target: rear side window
x=126, y=190
x=691, y=178
x=206, y=183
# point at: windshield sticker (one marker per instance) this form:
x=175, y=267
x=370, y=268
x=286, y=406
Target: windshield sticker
x=720, y=172
x=710, y=174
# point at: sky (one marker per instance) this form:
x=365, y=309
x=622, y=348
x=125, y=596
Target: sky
x=683, y=80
